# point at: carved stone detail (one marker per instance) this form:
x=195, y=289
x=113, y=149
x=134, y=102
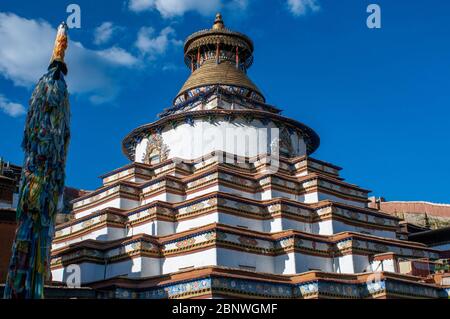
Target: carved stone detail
x=156, y=151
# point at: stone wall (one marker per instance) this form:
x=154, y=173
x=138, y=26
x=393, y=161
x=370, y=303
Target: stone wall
x=423, y=214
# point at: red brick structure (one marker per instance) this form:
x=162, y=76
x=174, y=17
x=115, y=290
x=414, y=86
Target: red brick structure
x=424, y=214
x=7, y=189
x=442, y=210
x=7, y=230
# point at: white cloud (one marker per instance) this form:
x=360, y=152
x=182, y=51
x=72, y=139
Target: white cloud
x=26, y=56
x=118, y=56
x=141, y=5
x=28, y=51
x=301, y=7
x=172, y=8
x=11, y=108
x=103, y=33
x=151, y=44
x=168, y=67
x=238, y=4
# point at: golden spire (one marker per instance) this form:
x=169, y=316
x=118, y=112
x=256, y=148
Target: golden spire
x=218, y=23
x=61, y=43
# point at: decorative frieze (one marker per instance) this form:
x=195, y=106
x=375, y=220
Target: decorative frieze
x=230, y=285
x=250, y=242
x=225, y=204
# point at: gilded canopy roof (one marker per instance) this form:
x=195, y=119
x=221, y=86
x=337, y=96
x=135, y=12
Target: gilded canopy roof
x=223, y=73
x=218, y=33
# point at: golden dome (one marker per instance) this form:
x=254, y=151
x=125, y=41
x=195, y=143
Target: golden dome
x=218, y=23
x=224, y=73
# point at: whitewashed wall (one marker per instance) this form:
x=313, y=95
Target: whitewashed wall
x=199, y=259
x=153, y=228
x=384, y=265
x=285, y=264
x=121, y=203
x=339, y=227
x=237, y=259
x=305, y=263
x=89, y=273
x=104, y=233
x=193, y=141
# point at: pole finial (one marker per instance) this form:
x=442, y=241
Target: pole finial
x=61, y=42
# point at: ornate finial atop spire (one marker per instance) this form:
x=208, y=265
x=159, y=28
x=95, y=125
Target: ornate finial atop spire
x=218, y=23
x=61, y=42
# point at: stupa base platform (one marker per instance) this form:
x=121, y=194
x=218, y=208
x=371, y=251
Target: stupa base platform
x=220, y=282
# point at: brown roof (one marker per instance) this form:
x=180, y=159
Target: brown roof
x=225, y=73
x=219, y=30
x=72, y=193
x=432, y=237
x=221, y=35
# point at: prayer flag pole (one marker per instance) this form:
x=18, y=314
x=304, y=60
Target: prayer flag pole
x=45, y=143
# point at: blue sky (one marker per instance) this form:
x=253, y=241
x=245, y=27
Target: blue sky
x=379, y=99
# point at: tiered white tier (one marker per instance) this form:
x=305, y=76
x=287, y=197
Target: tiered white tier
x=150, y=220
